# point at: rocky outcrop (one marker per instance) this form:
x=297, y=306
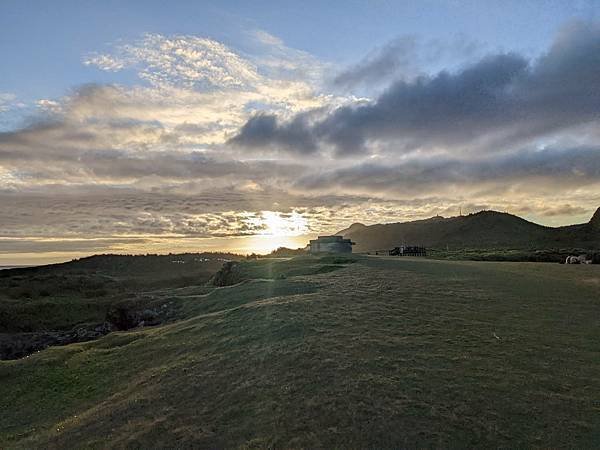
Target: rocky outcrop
x=119, y=317
x=19, y=345
x=140, y=311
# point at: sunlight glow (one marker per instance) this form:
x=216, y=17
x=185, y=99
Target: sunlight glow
x=278, y=230
x=280, y=224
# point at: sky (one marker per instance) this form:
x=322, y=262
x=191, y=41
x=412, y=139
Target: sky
x=134, y=127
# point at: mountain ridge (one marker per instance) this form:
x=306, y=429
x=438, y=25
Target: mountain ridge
x=483, y=229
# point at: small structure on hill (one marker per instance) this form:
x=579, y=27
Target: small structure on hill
x=408, y=250
x=330, y=244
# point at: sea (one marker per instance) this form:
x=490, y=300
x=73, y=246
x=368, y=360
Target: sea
x=13, y=267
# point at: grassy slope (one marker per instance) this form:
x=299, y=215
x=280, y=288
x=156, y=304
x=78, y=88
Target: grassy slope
x=381, y=353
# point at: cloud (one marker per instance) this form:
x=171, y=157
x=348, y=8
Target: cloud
x=499, y=101
x=49, y=106
x=405, y=58
x=133, y=152
x=264, y=130
x=161, y=137
x=51, y=245
x=11, y=110
x=564, y=210
x=105, y=62
x=84, y=211
x=180, y=60
x=274, y=59
x=530, y=169
x=6, y=101
x=98, y=118
x=200, y=83
x=397, y=58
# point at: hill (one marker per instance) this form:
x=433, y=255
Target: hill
x=313, y=352
x=482, y=230
x=85, y=298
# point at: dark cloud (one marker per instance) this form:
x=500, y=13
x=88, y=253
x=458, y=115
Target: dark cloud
x=443, y=110
x=560, y=167
x=266, y=131
x=503, y=99
x=397, y=58
x=403, y=58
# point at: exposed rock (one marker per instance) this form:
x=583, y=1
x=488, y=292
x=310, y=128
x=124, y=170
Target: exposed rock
x=149, y=317
x=124, y=317
x=19, y=345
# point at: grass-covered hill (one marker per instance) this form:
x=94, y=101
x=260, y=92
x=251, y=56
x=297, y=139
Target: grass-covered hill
x=310, y=352
x=78, y=300
x=482, y=230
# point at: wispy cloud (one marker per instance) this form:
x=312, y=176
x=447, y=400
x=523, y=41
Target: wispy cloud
x=201, y=85
x=105, y=62
x=277, y=60
x=183, y=61
x=6, y=101
x=11, y=110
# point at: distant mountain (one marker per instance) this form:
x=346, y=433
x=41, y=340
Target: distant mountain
x=355, y=227
x=485, y=229
x=595, y=220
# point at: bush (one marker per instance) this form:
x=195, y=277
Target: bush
x=228, y=275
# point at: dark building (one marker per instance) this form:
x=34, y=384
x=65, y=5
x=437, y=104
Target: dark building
x=330, y=244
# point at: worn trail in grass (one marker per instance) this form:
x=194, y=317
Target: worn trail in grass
x=380, y=353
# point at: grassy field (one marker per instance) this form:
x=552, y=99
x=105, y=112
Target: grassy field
x=322, y=353
x=554, y=255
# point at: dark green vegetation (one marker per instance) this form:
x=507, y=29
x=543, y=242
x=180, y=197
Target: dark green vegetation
x=59, y=296
x=379, y=353
x=486, y=235
x=556, y=255
x=79, y=300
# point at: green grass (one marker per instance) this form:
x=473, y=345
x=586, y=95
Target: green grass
x=281, y=268
x=556, y=255
x=381, y=353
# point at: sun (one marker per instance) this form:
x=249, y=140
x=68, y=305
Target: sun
x=279, y=224
x=279, y=230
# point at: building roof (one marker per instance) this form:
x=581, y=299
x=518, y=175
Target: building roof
x=335, y=238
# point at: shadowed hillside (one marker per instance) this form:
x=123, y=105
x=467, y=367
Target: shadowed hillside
x=482, y=230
